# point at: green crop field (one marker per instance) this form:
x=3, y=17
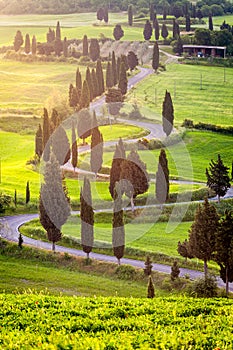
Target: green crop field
x=208, y=101
x=48, y=322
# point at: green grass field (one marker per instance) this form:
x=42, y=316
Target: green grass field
x=211, y=104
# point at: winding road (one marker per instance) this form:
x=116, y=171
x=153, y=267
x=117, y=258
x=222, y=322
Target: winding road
x=9, y=225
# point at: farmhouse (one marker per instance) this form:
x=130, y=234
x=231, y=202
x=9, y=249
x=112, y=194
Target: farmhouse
x=205, y=51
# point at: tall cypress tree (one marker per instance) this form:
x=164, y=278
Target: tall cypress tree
x=203, y=232
x=147, y=32
x=95, y=83
x=168, y=114
x=164, y=31
x=152, y=11
x=85, y=96
x=39, y=142
x=175, y=29
x=78, y=80
x=156, y=27
x=115, y=172
x=65, y=47
x=100, y=77
x=27, y=48
x=84, y=124
x=187, y=23
x=218, y=178
x=53, y=204
x=74, y=159
x=85, y=46
x=114, y=68
x=109, y=76
x=27, y=193
x=130, y=15
x=118, y=228
x=18, y=40
x=34, y=45
x=89, y=82
x=96, y=150
x=58, y=31
x=155, y=58
x=106, y=15
x=211, y=27
x=123, y=81
x=87, y=218
x=46, y=128
x=162, y=179
x=224, y=248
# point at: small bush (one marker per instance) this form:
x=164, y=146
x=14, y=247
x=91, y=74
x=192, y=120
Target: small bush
x=205, y=287
x=125, y=272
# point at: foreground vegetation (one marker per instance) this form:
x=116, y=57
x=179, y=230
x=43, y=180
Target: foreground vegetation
x=114, y=323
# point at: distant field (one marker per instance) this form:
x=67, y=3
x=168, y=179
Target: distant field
x=198, y=93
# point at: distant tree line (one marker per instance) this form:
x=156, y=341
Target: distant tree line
x=169, y=7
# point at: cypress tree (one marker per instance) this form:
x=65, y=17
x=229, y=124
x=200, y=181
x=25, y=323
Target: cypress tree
x=118, y=228
x=89, y=83
x=187, y=23
x=74, y=96
x=39, y=142
x=87, y=218
x=61, y=145
x=147, y=32
x=123, y=81
x=85, y=46
x=106, y=15
x=78, y=80
x=130, y=15
x=84, y=124
x=152, y=11
x=58, y=47
x=18, y=40
x=155, y=58
x=115, y=172
x=175, y=271
x=150, y=288
x=15, y=198
x=58, y=31
x=27, y=193
x=96, y=150
x=100, y=14
x=218, y=178
x=74, y=159
x=118, y=32
x=114, y=68
x=65, y=47
x=184, y=250
x=94, y=83
x=27, y=48
x=164, y=13
x=118, y=65
x=46, y=128
x=100, y=77
x=156, y=27
x=148, y=266
x=109, y=76
x=55, y=119
x=162, y=178
x=224, y=248
x=94, y=50
x=50, y=36
x=34, y=45
x=211, y=27
x=164, y=31
x=176, y=29
x=202, y=233
x=85, y=96
x=54, y=206
x=168, y=114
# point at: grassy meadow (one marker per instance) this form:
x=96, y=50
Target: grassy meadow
x=198, y=93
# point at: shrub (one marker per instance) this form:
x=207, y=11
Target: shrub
x=125, y=272
x=205, y=287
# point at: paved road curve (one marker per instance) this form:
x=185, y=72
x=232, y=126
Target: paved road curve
x=9, y=230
